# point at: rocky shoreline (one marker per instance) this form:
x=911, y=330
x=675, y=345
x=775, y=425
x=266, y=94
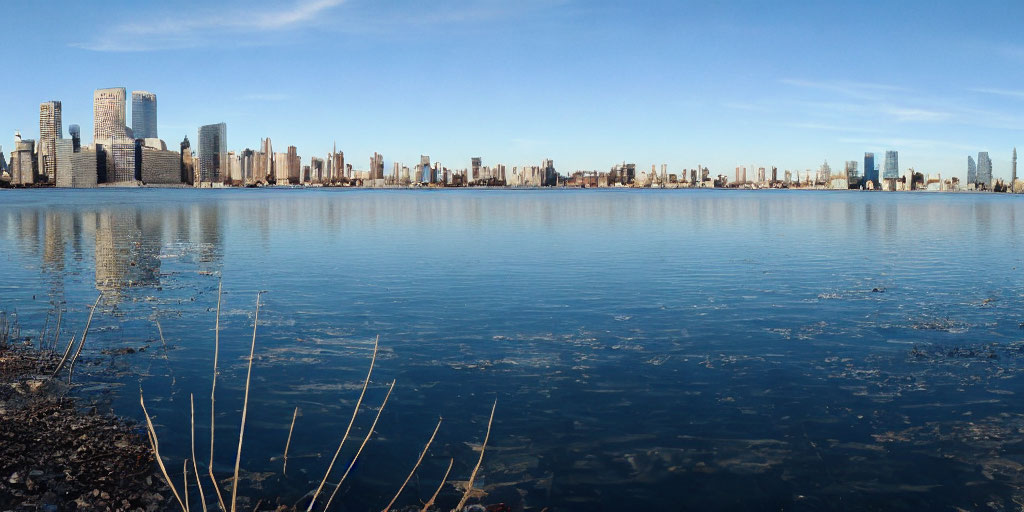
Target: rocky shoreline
x=57, y=455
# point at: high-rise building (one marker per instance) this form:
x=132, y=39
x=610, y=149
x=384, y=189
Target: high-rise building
x=892, y=165
x=1013, y=175
x=972, y=170
x=477, y=162
x=23, y=161
x=76, y=137
x=108, y=114
x=213, y=153
x=188, y=167
x=870, y=171
x=377, y=167
x=50, y=129
x=144, y=115
x=425, y=169
x=985, y=170
x=112, y=137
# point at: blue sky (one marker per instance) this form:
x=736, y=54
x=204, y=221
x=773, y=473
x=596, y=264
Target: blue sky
x=586, y=83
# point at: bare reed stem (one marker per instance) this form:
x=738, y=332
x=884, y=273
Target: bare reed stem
x=213, y=389
x=56, y=335
x=483, y=447
x=71, y=367
x=440, y=486
x=199, y=482
x=348, y=429
x=184, y=471
x=245, y=406
x=156, y=450
x=284, y=471
x=418, y=461
x=66, y=352
x=361, y=446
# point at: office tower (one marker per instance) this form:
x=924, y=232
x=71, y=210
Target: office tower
x=869, y=169
x=477, y=163
x=112, y=137
x=281, y=169
x=550, y=176
x=50, y=129
x=424, y=169
x=376, y=167
x=76, y=137
x=187, y=165
x=76, y=167
x=144, y=115
x=1013, y=175
x=23, y=161
x=985, y=170
x=972, y=170
x=892, y=167
x=294, y=166
x=213, y=153
x=108, y=114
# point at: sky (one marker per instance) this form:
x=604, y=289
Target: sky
x=587, y=83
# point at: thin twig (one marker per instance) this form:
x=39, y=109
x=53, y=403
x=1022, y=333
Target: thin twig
x=284, y=471
x=192, y=409
x=213, y=389
x=483, y=447
x=156, y=450
x=56, y=335
x=430, y=502
x=71, y=367
x=360, y=450
x=66, y=352
x=418, y=461
x=348, y=429
x=245, y=405
x=184, y=470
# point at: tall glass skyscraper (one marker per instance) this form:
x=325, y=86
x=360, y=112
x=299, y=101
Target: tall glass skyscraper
x=870, y=174
x=213, y=153
x=144, y=114
x=112, y=135
x=985, y=170
x=972, y=170
x=892, y=165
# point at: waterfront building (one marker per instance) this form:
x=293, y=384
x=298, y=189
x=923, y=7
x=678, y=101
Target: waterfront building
x=144, y=114
x=1013, y=175
x=159, y=166
x=23, y=161
x=316, y=166
x=984, y=170
x=50, y=130
x=476, y=162
x=972, y=171
x=76, y=137
x=892, y=167
x=213, y=153
x=294, y=166
x=376, y=167
x=870, y=171
x=3, y=163
x=188, y=169
x=424, y=170
x=281, y=169
x=824, y=175
x=113, y=140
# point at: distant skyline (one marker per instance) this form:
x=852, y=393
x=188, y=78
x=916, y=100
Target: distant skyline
x=585, y=83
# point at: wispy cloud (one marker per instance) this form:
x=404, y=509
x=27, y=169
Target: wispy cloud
x=863, y=90
x=916, y=114
x=265, y=97
x=175, y=32
x=1010, y=93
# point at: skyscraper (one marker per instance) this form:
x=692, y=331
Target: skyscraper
x=213, y=153
x=972, y=171
x=477, y=162
x=870, y=172
x=985, y=170
x=50, y=129
x=1013, y=176
x=144, y=114
x=425, y=169
x=108, y=114
x=892, y=165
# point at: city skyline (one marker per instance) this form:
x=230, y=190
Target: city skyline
x=585, y=84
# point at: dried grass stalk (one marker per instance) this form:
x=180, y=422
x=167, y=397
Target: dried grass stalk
x=56, y=334
x=213, y=389
x=355, y=411
x=199, y=482
x=184, y=471
x=483, y=447
x=156, y=450
x=284, y=471
x=361, y=446
x=245, y=406
x=440, y=486
x=71, y=367
x=417, y=465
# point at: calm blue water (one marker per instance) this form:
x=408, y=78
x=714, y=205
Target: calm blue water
x=669, y=350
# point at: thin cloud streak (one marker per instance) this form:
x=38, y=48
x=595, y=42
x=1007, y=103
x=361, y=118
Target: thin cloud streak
x=197, y=30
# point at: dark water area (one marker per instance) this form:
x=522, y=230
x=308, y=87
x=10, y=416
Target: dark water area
x=649, y=349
